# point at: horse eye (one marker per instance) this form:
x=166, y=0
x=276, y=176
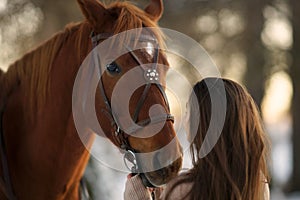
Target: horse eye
x=113, y=67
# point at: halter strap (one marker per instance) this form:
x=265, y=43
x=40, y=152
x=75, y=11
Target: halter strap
x=141, y=103
x=143, y=97
x=120, y=136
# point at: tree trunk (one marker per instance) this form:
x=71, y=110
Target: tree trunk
x=295, y=75
x=254, y=49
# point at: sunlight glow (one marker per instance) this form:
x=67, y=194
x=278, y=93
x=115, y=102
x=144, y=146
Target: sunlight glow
x=3, y=4
x=29, y=19
x=278, y=33
x=16, y=29
x=207, y=23
x=237, y=67
x=231, y=22
x=277, y=101
x=213, y=42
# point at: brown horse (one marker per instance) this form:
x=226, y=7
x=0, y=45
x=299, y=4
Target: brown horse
x=45, y=156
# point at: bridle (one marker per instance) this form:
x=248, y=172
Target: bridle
x=120, y=136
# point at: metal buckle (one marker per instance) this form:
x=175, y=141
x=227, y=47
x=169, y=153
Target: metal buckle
x=129, y=157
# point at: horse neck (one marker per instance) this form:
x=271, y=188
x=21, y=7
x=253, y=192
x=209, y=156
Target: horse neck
x=45, y=154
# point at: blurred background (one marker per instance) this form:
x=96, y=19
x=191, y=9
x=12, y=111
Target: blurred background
x=255, y=42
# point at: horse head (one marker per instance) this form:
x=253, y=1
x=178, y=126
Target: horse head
x=130, y=114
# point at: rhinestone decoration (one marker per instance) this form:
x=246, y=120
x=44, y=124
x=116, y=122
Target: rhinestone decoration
x=152, y=75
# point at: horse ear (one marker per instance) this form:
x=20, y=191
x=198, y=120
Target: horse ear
x=94, y=11
x=155, y=9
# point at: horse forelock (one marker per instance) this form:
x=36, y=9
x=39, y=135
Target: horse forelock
x=131, y=17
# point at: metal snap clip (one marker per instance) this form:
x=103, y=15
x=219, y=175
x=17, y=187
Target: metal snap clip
x=130, y=159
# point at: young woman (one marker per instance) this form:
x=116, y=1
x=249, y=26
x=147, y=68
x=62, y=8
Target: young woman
x=235, y=168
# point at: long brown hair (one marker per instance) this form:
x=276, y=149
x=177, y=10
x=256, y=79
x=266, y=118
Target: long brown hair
x=236, y=167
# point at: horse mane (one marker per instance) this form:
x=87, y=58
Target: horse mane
x=33, y=68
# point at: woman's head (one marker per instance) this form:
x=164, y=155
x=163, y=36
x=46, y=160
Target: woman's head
x=236, y=165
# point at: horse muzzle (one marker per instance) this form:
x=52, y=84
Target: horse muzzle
x=161, y=168
x=162, y=176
